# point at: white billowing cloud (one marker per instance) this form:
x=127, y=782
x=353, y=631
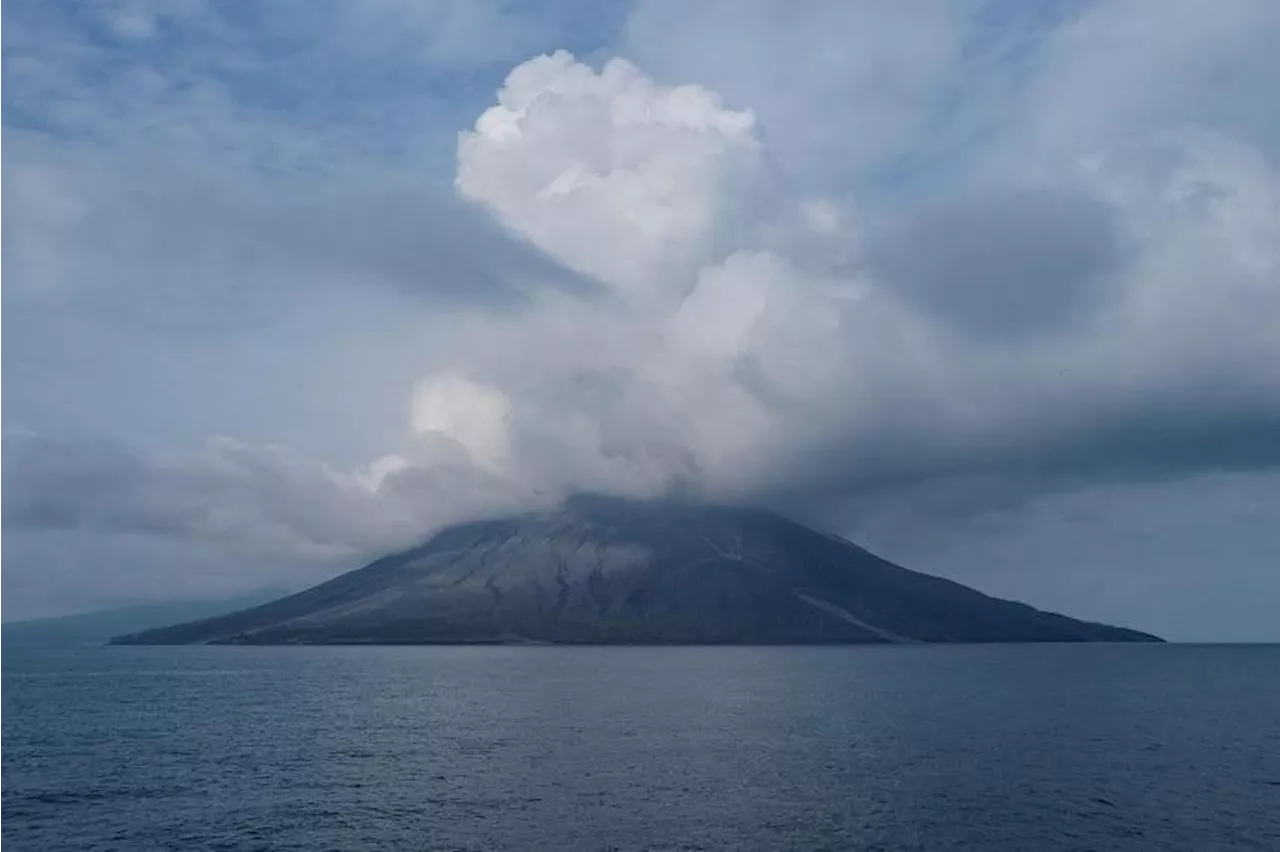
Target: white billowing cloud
x=790, y=357
x=640, y=185
x=472, y=414
x=617, y=176
x=373, y=474
x=645, y=187
x=751, y=347
x=716, y=320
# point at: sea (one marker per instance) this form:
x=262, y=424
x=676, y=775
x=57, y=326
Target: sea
x=1015, y=747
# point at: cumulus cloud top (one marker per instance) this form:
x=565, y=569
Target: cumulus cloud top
x=617, y=176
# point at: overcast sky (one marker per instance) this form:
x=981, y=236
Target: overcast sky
x=992, y=288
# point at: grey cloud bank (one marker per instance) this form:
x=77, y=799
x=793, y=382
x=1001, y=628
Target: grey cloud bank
x=900, y=293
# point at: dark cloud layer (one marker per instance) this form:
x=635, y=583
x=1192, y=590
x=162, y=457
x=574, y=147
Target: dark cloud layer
x=1010, y=264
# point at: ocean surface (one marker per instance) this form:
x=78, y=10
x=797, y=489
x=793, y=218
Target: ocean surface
x=1101, y=747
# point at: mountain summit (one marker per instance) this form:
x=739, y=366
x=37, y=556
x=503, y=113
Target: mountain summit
x=613, y=570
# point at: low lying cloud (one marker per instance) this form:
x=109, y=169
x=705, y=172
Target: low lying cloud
x=1011, y=265
x=256, y=500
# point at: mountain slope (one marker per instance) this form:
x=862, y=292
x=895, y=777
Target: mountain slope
x=97, y=627
x=611, y=570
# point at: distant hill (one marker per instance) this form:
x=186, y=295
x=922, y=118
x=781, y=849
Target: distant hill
x=97, y=628
x=610, y=570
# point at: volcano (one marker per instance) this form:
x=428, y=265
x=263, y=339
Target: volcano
x=605, y=570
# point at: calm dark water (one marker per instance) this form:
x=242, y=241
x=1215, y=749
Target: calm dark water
x=929, y=748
